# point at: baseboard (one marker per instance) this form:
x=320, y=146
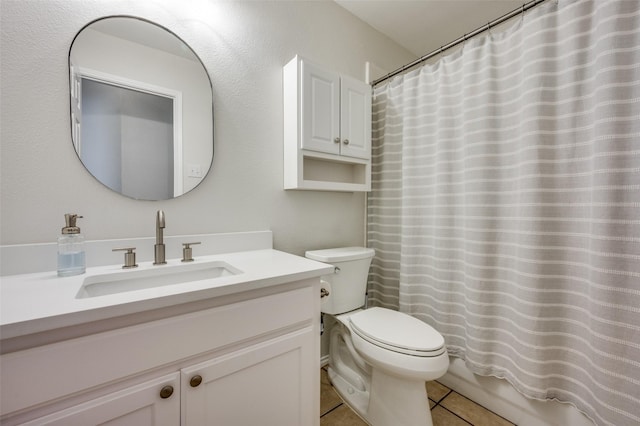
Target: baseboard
x=324, y=360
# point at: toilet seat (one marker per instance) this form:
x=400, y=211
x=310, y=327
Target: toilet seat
x=397, y=332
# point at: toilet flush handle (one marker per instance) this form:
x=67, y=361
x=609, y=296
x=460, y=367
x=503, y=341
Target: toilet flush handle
x=324, y=292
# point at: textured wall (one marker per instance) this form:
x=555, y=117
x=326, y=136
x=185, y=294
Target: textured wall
x=243, y=46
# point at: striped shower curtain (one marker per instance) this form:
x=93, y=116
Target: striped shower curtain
x=505, y=209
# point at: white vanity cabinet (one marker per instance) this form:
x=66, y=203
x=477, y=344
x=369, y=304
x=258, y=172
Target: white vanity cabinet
x=327, y=129
x=155, y=402
x=260, y=385
x=241, y=359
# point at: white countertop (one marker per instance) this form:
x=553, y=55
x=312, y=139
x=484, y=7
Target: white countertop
x=33, y=303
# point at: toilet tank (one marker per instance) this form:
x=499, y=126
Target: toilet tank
x=348, y=284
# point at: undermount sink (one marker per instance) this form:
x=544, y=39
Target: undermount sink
x=153, y=277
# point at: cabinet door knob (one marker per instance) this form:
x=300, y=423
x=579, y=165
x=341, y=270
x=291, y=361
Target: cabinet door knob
x=336, y=140
x=195, y=381
x=166, y=392
x=346, y=141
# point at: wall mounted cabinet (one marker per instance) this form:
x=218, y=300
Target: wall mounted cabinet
x=327, y=129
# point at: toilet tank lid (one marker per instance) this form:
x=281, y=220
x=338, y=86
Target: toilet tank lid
x=341, y=254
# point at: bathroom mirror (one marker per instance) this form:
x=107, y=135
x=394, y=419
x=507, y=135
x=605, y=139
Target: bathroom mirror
x=141, y=108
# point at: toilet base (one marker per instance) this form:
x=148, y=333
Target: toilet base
x=392, y=401
x=397, y=402
x=356, y=399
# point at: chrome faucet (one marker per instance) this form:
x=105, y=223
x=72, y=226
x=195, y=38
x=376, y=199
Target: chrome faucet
x=159, y=258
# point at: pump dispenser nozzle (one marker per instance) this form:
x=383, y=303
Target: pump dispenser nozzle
x=70, y=221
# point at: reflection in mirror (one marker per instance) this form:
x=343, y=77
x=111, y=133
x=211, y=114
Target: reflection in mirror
x=141, y=108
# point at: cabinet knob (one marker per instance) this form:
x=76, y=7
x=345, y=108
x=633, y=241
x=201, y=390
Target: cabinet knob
x=346, y=141
x=166, y=392
x=336, y=140
x=195, y=381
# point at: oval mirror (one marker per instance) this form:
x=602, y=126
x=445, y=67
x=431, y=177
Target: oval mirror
x=141, y=108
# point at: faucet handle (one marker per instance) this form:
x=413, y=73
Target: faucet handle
x=187, y=253
x=129, y=257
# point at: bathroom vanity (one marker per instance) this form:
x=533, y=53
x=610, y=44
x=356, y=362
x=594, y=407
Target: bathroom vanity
x=241, y=348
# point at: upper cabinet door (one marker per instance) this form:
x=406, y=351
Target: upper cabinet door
x=321, y=109
x=355, y=123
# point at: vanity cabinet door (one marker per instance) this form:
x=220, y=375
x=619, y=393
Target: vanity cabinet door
x=155, y=402
x=267, y=384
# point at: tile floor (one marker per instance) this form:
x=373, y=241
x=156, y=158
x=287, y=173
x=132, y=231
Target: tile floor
x=448, y=408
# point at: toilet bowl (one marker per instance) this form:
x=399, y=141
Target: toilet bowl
x=379, y=359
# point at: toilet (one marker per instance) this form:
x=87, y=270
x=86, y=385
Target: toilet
x=379, y=359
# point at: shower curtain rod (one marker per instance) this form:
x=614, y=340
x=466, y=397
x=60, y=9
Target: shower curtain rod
x=505, y=17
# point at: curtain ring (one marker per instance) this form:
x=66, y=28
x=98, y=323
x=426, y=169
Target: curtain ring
x=522, y=14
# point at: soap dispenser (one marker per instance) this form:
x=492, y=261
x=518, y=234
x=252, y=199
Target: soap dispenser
x=71, y=258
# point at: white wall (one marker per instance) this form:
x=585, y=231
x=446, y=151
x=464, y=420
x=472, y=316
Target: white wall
x=244, y=45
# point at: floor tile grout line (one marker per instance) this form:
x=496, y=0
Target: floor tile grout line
x=455, y=414
x=445, y=397
x=445, y=408
x=437, y=403
x=441, y=399
x=332, y=410
x=492, y=412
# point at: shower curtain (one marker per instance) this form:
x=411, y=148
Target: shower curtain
x=505, y=209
